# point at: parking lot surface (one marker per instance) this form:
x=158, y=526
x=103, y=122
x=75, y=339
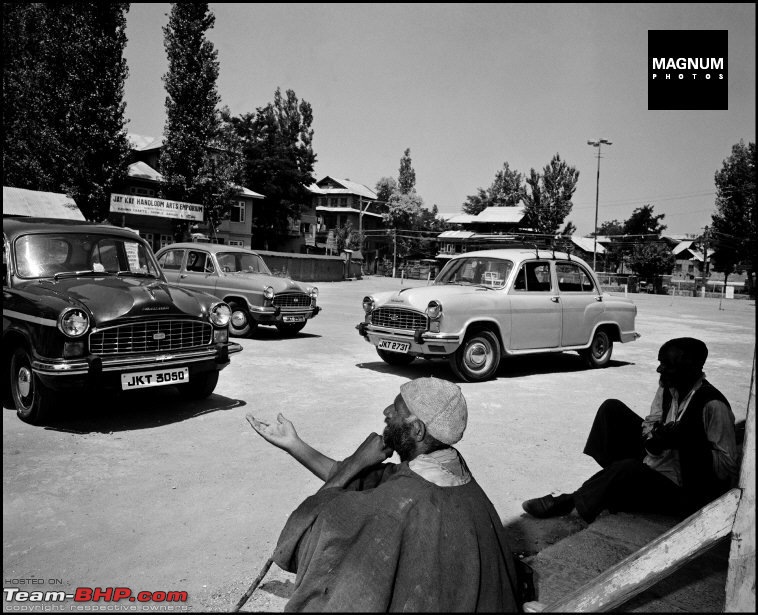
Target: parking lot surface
x=152, y=493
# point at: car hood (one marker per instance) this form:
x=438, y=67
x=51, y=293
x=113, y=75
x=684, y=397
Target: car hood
x=261, y=280
x=418, y=298
x=110, y=298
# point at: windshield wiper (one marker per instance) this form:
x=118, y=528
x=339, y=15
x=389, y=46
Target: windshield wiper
x=61, y=274
x=141, y=274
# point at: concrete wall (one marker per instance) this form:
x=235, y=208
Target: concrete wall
x=309, y=267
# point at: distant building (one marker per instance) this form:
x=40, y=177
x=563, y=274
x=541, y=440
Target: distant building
x=336, y=203
x=136, y=204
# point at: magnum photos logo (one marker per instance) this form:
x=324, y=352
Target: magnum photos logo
x=687, y=69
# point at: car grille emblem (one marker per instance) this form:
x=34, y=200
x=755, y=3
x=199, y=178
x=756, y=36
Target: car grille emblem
x=159, y=336
x=394, y=317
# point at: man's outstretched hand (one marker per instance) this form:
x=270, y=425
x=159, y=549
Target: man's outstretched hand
x=281, y=434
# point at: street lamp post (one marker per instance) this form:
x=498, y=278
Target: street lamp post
x=598, y=144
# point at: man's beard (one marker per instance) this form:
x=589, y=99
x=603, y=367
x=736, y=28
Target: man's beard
x=399, y=439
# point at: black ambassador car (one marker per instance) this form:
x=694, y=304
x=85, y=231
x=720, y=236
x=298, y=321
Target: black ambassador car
x=86, y=307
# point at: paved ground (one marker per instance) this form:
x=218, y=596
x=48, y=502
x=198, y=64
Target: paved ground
x=150, y=493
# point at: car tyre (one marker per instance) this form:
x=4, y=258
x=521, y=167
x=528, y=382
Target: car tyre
x=240, y=324
x=33, y=400
x=395, y=358
x=477, y=358
x=200, y=387
x=600, y=350
x=290, y=328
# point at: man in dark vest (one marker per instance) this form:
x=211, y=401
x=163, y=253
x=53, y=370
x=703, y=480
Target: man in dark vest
x=679, y=458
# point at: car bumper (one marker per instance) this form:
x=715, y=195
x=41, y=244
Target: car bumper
x=628, y=336
x=275, y=315
x=95, y=369
x=421, y=342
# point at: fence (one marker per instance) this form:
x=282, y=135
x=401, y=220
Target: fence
x=309, y=267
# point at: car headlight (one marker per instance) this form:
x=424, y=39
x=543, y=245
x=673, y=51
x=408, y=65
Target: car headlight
x=313, y=292
x=73, y=322
x=268, y=293
x=368, y=304
x=434, y=310
x=220, y=314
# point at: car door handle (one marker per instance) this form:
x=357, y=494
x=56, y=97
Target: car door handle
x=555, y=299
x=599, y=298
x=183, y=275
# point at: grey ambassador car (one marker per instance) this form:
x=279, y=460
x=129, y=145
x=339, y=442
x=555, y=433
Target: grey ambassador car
x=241, y=278
x=487, y=304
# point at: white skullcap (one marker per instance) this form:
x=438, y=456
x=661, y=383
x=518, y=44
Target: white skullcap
x=439, y=404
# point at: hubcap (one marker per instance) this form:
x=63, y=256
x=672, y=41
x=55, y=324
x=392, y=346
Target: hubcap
x=239, y=319
x=600, y=347
x=24, y=381
x=477, y=355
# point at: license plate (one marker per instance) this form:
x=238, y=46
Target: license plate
x=293, y=318
x=155, y=378
x=394, y=346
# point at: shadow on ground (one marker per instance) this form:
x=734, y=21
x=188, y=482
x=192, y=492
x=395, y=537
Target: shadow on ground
x=510, y=367
x=115, y=412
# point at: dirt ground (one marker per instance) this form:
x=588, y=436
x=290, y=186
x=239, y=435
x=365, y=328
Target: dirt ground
x=154, y=494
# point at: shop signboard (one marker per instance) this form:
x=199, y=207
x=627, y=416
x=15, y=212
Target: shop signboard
x=146, y=206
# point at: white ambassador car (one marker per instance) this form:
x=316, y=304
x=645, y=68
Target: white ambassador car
x=487, y=304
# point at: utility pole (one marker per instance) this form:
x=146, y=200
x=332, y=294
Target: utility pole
x=394, y=254
x=597, y=143
x=705, y=260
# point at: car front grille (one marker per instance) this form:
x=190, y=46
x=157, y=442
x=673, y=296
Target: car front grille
x=398, y=318
x=151, y=336
x=292, y=301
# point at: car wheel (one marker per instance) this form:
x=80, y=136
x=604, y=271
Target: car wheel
x=478, y=357
x=240, y=324
x=290, y=328
x=33, y=400
x=600, y=350
x=395, y=358
x=200, y=387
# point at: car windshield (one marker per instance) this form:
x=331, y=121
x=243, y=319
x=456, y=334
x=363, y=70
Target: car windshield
x=475, y=271
x=58, y=254
x=241, y=262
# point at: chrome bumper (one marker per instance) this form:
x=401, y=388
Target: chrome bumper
x=83, y=366
x=421, y=342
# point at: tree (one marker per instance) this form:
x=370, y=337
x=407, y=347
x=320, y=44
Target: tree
x=734, y=226
x=548, y=198
x=611, y=227
x=194, y=166
x=642, y=222
x=406, y=182
x=347, y=238
x=569, y=229
x=651, y=260
x=63, y=110
x=276, y=143
x=506, y=190
x=384, y=188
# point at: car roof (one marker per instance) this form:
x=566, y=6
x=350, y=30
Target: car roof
x=520, y=254
x=214, y=248
x=13, y=226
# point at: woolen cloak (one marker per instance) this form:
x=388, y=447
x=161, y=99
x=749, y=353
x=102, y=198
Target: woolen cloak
x=392, y=541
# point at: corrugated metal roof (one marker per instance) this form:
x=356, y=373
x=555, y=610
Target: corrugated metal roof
x=681, y=247
x=512, y=215
x=455, y=235
x=587, y=244
x=141, y=170
x=250, y=193
x=143, y=143
x=348, y=187
x=462, y=219
x=33, y=203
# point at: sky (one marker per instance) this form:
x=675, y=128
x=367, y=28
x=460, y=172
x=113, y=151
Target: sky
x=468, y=87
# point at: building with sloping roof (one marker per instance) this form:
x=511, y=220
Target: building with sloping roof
x=37, y=204
x=137, y=204
x=336, y=203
